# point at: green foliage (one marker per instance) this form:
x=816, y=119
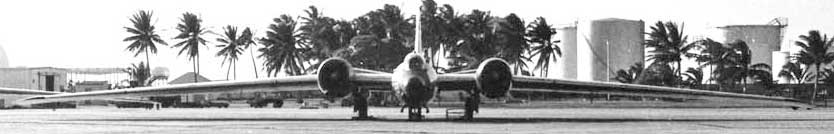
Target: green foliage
x=631, y=75
x=140, y=75
x=191, y=34
x=668, y=45
x=814, y=53
x=144, y=37
x=795, y=72
x=282, y=48
x=232, y=46
x=541, y=34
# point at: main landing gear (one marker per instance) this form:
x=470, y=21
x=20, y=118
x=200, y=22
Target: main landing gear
x=471, y=106
x=360, y=105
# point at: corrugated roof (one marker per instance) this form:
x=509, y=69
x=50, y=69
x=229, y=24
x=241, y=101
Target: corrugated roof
x=188, y=78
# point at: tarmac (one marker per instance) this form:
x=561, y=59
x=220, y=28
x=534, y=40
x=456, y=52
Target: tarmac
x=103, y=120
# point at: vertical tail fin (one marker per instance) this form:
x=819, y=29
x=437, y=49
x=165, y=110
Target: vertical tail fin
x=418, y=40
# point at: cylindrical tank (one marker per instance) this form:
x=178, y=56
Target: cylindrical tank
x=763, y=40
x=615, y=44
x=4, y=61
x=567, y=63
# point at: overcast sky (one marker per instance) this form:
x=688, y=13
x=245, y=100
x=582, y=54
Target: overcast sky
x=89, y=33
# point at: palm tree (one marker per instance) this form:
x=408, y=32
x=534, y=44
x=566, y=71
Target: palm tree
x=392, y=35
x=732, y=63
x=795, y=72
x=718, y=57
x=513, y=46
x=477, y=39
x=282, y=48
x=431, y=27
x=694, y=77
x=190, y=33
x=669, y=44
x=319, y=35
x=451, y=33
x=140, y=75
x=144, y=37
x=630, y=75
x=247, y=42
x=814, y=52
x=541, y=33
x=231, y=48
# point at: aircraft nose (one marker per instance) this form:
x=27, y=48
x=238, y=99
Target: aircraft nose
x=415, y=88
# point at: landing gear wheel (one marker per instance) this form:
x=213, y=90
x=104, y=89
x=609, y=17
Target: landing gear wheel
x=415, y=114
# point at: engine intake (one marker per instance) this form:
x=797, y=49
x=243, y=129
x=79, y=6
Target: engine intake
x=494, y=78
x=334, y=78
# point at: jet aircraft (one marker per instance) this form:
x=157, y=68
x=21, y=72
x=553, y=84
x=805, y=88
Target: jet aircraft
x=415, y=83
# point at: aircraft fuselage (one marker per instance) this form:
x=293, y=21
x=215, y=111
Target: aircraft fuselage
x=413, y=81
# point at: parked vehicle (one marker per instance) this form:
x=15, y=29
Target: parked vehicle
x=259, y=102
x=203, y=104
x=215, y=104
x=54, y=105
x=132, y=105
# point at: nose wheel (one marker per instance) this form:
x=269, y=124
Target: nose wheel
x=415, y=113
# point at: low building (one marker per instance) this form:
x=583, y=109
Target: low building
x=88, y=86
x=40, y=78
x=57, y=80
x=192, y=77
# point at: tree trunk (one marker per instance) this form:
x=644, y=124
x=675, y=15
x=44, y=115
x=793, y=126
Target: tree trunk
x=234, y=62
x=228, y=70
x=194, y=67
x=254, y=66
x=744, y=79
x=680, y=75
x=148, y=63
x=816, y=81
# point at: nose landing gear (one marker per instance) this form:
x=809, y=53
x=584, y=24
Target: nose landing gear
x=415, y=113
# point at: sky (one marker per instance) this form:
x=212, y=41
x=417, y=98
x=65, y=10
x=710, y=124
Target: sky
x=89, y=33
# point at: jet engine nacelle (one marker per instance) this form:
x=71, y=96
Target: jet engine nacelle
x=334, y=78
x=494, y=78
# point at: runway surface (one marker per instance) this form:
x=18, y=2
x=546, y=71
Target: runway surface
x=490, y=120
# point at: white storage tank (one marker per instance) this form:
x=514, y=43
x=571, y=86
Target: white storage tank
x=4, y=61
x=763, y=41
x=567, y=63
x=615, y=44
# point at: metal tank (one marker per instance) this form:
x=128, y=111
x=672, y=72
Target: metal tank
x=567, y=64
x=4, y=61
x=763, y=41
x=615, y=44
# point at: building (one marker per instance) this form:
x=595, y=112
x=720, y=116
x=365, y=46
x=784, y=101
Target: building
x=41, y=78
x=58, y=79
x=615, y=44
x=190, y=78
x=87, y=86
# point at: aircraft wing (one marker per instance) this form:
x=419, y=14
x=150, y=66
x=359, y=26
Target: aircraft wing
x=15, y=91
x=288, y=83
x=537, y=84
